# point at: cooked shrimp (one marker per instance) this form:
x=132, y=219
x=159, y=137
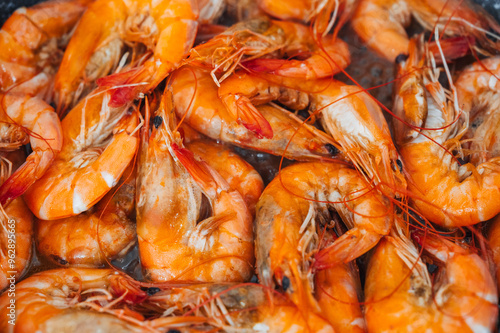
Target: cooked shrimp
x=22, y=117
x=99, y=143
x=235, y=170
x=16, y=232
x=348, y=114
x=29, y=42
x=323, y=14
x=401, y=296
x=71, y=300
x=237, y=308
x=173, y=245
x=293, y=241
x=196, y=101
x=88, y=239
x=249, y=40
x=445, y=191
x=381, y=25
x=166, y=28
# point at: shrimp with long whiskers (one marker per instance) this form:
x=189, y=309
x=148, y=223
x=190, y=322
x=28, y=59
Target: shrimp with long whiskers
x=402, y=296
x=99, y=144
x=177, y=241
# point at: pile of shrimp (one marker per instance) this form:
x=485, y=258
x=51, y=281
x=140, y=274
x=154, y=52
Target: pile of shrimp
x=218, y=166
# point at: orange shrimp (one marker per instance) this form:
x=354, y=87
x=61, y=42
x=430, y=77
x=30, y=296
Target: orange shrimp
x=92, y=237
x=347, y=113
x=196, y=101
x=172, y=244
x=99, y=143
x=236, y=308
x=235, y=170
x=20, y=117
x=401, y=296
x=72, y=300
x=296, y=249
x=323, y=13
x=381, y=25
x=96, y=46
x=16, y=232
x=446, y=190
x=29, y=42
x=247, y=41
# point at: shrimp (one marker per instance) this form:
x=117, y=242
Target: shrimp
x=99, y=143
x=401, y=296
x=311, y=10
x=16, y=233
x=246, y=42
x=236, y=308
x=29, y=42
x=196, y=101
x=347, y=113
x=296, y=248
x=446, y=190
x=96, y=47
x=381, y=25
x=235, y=170
x=20, y=117
x=91, y=238
x=71, y=300
x=172, y=243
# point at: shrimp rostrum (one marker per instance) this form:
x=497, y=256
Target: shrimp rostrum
x=178, y=240
x=449, y=144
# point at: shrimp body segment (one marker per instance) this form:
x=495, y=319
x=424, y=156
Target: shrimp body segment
x=462, y=297
x=40, y=122
x=99, y=143
x=172, y=244
x=292, y=218
x=88, y=239
x=167, y=29
x=448, y=192
x=196, y=101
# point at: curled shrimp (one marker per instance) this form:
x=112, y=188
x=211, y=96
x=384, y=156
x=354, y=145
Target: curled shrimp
x=246, y=42
x=29, y=42
x=196, y=101
x=20, y=117
x=236, y=307
x=347, y=113
x=176, y=239
x=72, y=300
x=446, y=190
x=402, y=296
x=99, y=143
x=89, y=239
x=96, y=47
x=235, y=170
x=16, y=230
x=295, y=245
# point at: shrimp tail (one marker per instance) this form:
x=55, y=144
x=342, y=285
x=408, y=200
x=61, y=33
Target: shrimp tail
x=20, y=181
x=346, y=248
x=242, y=108
x=199, y=170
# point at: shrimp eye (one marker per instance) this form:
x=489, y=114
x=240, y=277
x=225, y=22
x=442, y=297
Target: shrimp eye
x=400, y=165
x=173, y=331
x=285, y=283
x=431, y=268
x=152, y=290
x=59, y=260
x=400, y=58
x=332, y=149
x=157, y=121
